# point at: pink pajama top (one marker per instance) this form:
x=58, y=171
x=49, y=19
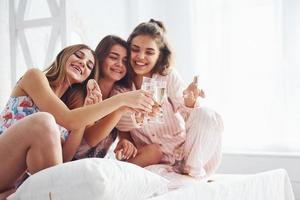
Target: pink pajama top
x=171, y=134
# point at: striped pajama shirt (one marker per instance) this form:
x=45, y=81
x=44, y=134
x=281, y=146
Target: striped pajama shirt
x=190, y=138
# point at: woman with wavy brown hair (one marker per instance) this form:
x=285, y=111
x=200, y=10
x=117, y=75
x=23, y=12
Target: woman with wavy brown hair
x=190, y=136
x=111, y=53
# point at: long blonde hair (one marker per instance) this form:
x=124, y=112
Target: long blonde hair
x=56, y=72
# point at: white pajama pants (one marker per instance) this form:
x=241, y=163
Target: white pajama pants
x=202, y=150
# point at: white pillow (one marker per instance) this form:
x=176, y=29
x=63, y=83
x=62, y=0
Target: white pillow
x=92, y=178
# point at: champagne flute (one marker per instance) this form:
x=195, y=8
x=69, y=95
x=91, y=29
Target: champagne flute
x=147, y=85
x=159, y=96
x=160, y=92
x=158, y=89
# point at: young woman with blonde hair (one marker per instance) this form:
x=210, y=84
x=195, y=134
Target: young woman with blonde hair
x=36, y=121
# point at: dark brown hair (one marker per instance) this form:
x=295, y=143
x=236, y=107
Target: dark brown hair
x=102, y=51
x=156, y=30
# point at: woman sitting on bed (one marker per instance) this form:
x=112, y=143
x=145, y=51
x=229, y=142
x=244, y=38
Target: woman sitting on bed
x=111, y=54
x=190, y=136
x=30, y=137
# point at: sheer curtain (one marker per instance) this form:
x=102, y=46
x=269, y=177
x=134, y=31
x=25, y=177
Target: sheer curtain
x=248, y=62
x=245, y=52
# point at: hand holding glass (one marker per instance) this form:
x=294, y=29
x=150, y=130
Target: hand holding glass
x=158, y=89
x=192, y=92
x=159, y=96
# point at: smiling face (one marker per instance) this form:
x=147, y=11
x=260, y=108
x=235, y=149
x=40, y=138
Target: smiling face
x=113, y=67
x=144, y=54
x=79, y=66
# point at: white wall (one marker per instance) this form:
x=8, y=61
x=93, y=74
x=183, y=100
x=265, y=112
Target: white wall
x=4, y=54
x=247, y=163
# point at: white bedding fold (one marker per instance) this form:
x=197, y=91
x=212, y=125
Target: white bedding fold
x=269, y=185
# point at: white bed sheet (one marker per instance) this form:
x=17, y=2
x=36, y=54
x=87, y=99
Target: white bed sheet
x=269, y=185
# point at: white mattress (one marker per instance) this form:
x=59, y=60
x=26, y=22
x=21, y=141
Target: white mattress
x=269, y=185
